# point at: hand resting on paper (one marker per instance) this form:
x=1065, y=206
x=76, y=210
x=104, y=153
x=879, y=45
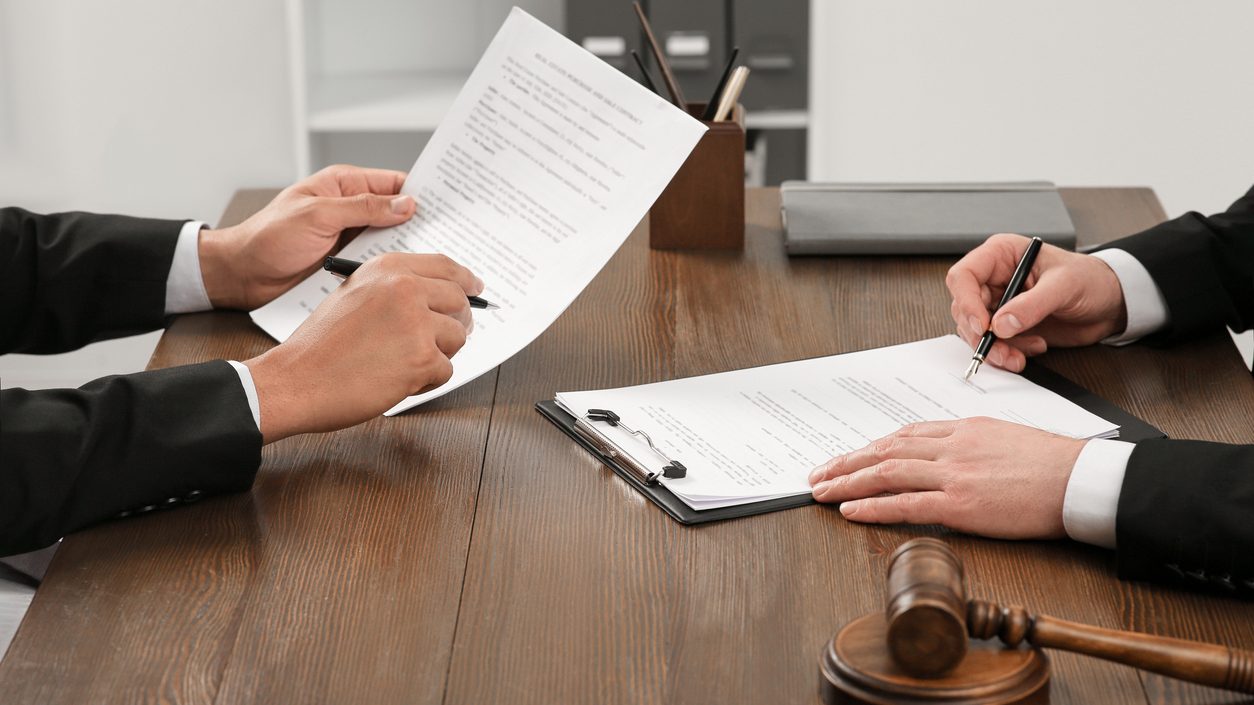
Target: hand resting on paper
x=247, y=265
x=986, y=476
x=386, y=333
x=1068, y=300
x=981, y=476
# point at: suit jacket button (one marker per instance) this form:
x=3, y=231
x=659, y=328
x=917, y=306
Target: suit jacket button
x=1199, y=574
x=1174, y=568
x=1224, y=581
x=171, y=501
x=125, y=514
x=192, y=496
x=145, y=510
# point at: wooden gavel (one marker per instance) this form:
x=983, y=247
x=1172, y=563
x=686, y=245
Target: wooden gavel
x=929, y=620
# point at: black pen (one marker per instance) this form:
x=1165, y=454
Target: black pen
x=712, y=107
x=648, y=80
x=345, y=267
x=1012, y=290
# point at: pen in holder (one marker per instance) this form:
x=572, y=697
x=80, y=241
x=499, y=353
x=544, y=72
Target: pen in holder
x=704, y=205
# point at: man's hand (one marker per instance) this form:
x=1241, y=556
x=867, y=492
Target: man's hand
x=981, y=476
x=1068, y=300
x=247, y=265
x=387, y=333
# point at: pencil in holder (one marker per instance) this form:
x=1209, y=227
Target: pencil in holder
x=704, y=205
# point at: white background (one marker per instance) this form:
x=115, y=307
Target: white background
x=162, y=108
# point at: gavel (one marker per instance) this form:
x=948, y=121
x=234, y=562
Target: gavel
x=928, y=620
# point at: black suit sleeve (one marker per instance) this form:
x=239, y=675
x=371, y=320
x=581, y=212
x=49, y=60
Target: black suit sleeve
x=1186, y=508
x=1186, y=515
x=70, y=279
x=1204, y=268
x=72, y=457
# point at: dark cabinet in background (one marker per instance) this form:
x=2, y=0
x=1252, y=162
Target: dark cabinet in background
x=697, y=37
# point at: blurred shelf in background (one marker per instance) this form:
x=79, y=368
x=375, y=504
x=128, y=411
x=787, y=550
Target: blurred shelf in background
x=371, y=79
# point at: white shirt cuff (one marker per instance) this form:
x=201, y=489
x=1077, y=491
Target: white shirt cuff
x=1092, y=499
x=1147, y=309
x=250, y=390
x=185, y=286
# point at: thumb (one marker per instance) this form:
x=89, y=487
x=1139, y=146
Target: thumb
x=371, y=209
x=1030, y=307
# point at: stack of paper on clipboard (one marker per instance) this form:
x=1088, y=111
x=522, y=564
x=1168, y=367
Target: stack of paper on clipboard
x=754, y=435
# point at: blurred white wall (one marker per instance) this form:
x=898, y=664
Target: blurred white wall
x=1081, y=92
x=147, y=107
x=165, y=108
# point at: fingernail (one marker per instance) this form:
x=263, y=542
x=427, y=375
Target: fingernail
x=821, y=489
x=478, y=286
x=973, y=324
x=400, y=204
x=1008, y=326
x=848, y=509
x=816, y=473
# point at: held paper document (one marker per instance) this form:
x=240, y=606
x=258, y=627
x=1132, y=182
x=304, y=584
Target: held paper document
x=547, y=160
x=755, y=434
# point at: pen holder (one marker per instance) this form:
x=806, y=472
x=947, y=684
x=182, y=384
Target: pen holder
x=704, y=205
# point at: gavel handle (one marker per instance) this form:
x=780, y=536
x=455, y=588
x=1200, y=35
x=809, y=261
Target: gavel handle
x=1207, y=664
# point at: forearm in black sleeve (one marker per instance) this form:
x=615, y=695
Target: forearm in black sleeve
x=73, y=278
x=73, y=457
x=1204, y=267
x=1186, y=515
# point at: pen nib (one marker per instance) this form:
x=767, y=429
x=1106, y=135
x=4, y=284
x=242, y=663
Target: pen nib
x=975, y=365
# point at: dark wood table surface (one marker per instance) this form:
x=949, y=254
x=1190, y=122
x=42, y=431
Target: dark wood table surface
x=469, y=552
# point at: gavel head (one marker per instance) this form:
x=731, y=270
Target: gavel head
x=927, y=608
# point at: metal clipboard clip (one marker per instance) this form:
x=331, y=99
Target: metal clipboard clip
x=583, y=426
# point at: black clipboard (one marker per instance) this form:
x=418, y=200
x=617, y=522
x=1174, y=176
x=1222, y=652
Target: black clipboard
x=1131, y=429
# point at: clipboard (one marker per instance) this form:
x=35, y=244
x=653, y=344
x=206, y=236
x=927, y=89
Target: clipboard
x=1131, y=428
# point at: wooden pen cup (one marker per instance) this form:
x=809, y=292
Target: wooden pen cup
x=703, y=207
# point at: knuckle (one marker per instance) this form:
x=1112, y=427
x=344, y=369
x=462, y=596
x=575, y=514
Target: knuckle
x=443, y=372
x=885, y=447
x=951, y=276
x=887, y=468
x=389, y=261
x=449, y=267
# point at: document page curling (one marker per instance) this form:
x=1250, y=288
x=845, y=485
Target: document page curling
x=547, y=160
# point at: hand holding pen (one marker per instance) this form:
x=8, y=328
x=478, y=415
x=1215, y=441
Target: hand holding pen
x=345, y=267
x=1012, y=290
x=388, y=332
x=1068, y=300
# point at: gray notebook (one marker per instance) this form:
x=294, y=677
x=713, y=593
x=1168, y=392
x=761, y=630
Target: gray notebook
x=920, y=219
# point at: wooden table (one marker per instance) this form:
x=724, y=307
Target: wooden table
x=471, y=553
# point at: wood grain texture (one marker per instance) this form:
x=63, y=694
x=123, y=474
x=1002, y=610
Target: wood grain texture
x=583, y=592
x=471, y=553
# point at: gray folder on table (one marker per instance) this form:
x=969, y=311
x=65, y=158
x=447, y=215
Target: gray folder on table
x=920, y=219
